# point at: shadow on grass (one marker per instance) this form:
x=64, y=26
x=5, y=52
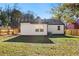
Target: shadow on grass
x=30, y=39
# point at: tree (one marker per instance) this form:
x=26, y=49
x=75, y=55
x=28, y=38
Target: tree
x=15, y=17
x=8, y=14
x=57, y=12
x=67, y=12
x=29, y=16
x=3, y=19
x=16, y=14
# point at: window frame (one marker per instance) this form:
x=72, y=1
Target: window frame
x=41, y=30
x=58, y=27
x=36, y=30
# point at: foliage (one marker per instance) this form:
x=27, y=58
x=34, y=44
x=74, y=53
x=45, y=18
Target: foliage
x=16, y=14
x=29, y=16
x=15, y=17
x=67, y=12
x=3, y=19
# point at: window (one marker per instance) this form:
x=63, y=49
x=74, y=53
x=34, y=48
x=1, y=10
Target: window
x=58, y=27
x=37, y=30
x=41, y=30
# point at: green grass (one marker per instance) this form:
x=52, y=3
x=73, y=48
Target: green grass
x=65, y=40
x=62, y=46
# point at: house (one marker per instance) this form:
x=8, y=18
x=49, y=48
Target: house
x=74, y=25
x=70, y=25
x=77, y=24
x=55, y=27
x=33, y=29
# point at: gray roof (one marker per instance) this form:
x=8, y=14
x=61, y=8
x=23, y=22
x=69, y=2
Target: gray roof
x=49, y=22
x=55, y=22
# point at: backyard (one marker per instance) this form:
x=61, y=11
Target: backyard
x=59, y=46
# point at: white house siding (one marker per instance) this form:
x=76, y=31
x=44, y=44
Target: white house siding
x=29, y=29
x=54, y=29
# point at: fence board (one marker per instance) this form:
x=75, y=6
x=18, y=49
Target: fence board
x=9, y=31
x=72, y=32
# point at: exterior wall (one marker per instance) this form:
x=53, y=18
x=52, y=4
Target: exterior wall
x=29, y=29
x=54, y=29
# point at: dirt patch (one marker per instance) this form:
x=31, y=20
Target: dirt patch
x=30, y=39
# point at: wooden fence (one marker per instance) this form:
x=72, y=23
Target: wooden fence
x=13, y=31
x=74, y=32
x=9, y=31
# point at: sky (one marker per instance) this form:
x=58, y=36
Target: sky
x=39, y=9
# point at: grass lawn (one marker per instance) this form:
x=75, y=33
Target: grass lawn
x=61, y=46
